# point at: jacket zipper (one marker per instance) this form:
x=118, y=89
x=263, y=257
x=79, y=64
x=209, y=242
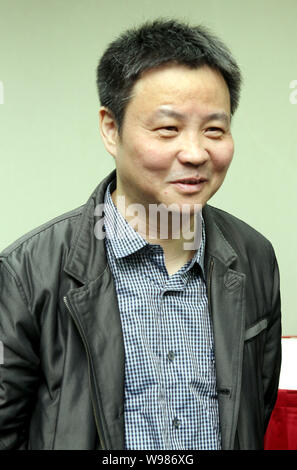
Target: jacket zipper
x=208, y=284
x=89, y=361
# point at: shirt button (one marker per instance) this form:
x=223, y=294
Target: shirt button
x=162, y=396
x=171, y=356
x=176, y=423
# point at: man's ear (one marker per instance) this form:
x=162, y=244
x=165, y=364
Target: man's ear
x=108, y=130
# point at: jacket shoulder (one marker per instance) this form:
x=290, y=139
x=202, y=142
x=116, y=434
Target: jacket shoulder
x=239, y=234
x=36, y=258
x=59, y=225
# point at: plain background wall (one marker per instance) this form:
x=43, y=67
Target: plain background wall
x=51, y=154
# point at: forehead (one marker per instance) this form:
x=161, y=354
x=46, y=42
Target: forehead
x=180, y=86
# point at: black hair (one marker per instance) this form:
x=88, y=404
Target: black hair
x=156, y=43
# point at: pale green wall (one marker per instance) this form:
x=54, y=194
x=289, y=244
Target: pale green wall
x=51, y=153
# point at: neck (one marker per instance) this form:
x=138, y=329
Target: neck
x=178, y=234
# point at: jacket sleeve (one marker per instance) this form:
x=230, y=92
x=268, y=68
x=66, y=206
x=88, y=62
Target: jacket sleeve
x=272, y=353
x=19, y=364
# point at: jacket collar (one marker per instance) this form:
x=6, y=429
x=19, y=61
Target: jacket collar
x=87, y=257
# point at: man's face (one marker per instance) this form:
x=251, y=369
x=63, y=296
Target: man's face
x=176, y=131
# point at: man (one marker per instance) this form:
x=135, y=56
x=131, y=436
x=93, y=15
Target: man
x=133, y=340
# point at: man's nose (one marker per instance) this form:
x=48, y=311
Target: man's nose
x=193, y=151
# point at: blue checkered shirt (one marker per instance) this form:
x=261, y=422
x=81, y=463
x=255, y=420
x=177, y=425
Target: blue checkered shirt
x=170, y=386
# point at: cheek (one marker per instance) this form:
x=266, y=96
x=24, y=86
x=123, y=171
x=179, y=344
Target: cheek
x=222, y=157
x=150, y=157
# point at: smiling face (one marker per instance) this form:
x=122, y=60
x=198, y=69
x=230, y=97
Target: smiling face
x=176, y=143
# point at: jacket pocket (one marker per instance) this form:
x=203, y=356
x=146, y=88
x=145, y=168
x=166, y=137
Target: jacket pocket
x=255, y=329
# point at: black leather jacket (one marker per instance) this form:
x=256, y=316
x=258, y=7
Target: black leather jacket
x=62, y=381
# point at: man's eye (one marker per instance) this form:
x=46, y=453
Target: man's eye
x=215, y=131
x=171, y=128
x=168, y=130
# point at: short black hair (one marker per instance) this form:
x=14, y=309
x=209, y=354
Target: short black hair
x=156, y=43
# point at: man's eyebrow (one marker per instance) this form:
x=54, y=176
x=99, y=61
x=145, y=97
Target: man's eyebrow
x=220, y=116
x=169, y=113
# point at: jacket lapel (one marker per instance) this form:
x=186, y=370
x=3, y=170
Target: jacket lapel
x=94, y=309
x=95, y=312
x=226, y=291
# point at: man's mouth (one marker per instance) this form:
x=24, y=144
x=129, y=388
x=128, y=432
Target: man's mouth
x=190, y=184
x=190, y=180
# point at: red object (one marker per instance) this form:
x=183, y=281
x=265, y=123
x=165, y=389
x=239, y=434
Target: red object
x=281, y=433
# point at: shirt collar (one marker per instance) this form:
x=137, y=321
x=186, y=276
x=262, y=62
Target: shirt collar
x=124, y=240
